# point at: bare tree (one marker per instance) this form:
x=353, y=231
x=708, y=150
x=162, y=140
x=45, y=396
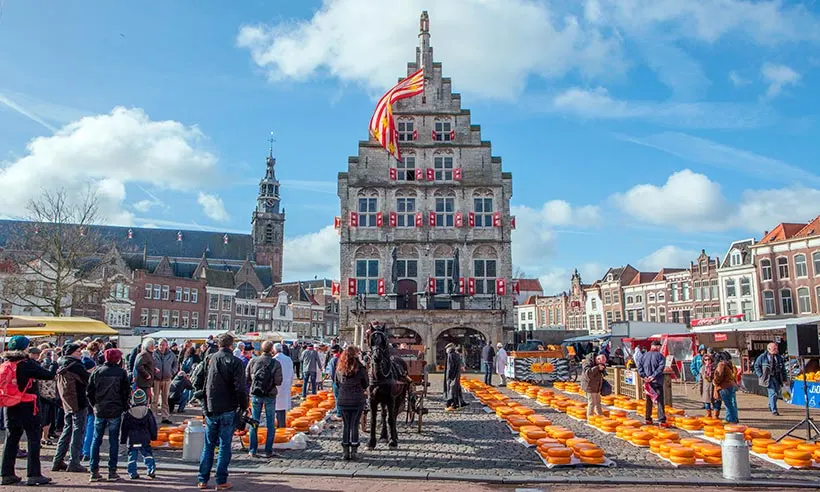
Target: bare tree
x=519, y=273
x=53, y=258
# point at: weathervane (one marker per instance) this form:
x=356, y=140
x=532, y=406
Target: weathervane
x=272, y=141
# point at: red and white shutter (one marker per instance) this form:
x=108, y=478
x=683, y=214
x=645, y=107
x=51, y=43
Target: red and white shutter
x=380, y=287
x=471, y=286
x=419, y=174
x=354, y=219
x=379, y=219
x=501, y=287
x=512, y=222
x=461, y=285
x=434, y=135
x=431, y=174
x=459, y=220
x=351, y=286
x=335, y=289
x=516, y=287
x=471, y=219
x=452, y=135
x=457, y=174
x=394, y=173
x=431, y=285
x=337, y=222
x=432, y=219
x=419, y=219
x=415, y=134
x=497, y=219
x=394, y=219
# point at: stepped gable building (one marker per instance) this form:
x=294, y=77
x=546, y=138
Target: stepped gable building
x=425, y=242
x=157, y=274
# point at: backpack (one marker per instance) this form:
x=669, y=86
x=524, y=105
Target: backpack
x=187, y=364
x=10, y=394
x=262, y=380
x=198, y=378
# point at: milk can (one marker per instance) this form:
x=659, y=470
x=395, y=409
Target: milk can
x=194, y=441
x=735, y=456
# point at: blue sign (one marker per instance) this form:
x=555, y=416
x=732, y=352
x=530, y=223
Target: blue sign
x=798, y=398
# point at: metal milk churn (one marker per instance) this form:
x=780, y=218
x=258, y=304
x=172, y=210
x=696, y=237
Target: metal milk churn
x=735, y=456
x=194, y=441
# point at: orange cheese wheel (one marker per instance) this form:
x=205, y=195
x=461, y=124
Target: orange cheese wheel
x=734, y=428
x=759, y=449
x=563, y=452
x=798, y=463
x=593, y=460
x=522, y=410
x=778, y=448
x=565, y=434
x=547, y=440
x=631, y=423
x=555, y=460
x=678, y=460
x=640, y=443
x=807, y=446
x=775, y=456
x=713, y=460
x=668, y=434
x=682, y=452
x=576, y=440
x=797, y=455
x=590, y=453
x=793, y=441
x=577, y=447
x=712, y=452
x=535, y=435
x=641, y=436
x=157, y=444
x=689, y=441
x=762, y=442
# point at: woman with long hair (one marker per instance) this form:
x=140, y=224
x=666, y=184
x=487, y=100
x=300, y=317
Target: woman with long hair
x=352, y=381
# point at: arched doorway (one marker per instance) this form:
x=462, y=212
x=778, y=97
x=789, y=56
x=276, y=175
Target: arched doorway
x=406, y=294
x=471, y=341
x=400, y=335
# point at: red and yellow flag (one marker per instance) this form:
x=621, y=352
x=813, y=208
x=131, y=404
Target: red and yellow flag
x=382, y=124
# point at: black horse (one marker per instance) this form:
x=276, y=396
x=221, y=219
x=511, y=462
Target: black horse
x=388, y=386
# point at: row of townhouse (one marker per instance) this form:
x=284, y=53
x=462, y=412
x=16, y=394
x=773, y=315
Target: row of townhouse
x=775, y=277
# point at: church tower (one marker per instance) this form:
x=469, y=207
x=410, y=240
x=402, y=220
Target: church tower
x=268, y=223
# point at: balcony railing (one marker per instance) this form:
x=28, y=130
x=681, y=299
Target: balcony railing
x=422, y=301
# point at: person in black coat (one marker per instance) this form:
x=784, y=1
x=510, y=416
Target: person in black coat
x=108, y=392
x=21, y=418
x=352, y=381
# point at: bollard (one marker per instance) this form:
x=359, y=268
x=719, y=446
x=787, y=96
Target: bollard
x=735, y=456
x=194, y=441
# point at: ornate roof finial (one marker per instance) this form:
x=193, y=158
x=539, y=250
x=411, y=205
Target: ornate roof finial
x=271, y=141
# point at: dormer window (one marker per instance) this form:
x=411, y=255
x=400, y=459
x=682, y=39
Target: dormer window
x=735, y=258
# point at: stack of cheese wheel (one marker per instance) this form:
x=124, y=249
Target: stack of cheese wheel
x=626, y=404
x=799, y=458
x=618, y=415
x=294, y=414
x=655, y=444
x=176, y=439
x=777, y=450
x=711, y=421
x=587, y=452
x=608, y=400
x=504, y=411
x=707, y=451
x=608, y=425
x=532, y=391
x=284, y=435
x=668, y=434
x=709, y=430
x=539, y=420
x=578, y=412
x=751, y=434
x=721, y=433
x=625, y=432
x=559, y=385
x=532, y=433
x=560, y=405
x=516, y=421
x=651, y=429
x=301, y=424
x=522, y=410
x=316, y=414
x=328, y=404
x=681, y=455
x=817, y=455
x=665, y=448
x=559, y=432
x=689, y=423
x=558, y=455
x=545, y=396
x=641, y=438
x=760, y=445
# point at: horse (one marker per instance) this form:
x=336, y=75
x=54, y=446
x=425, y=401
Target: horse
x=389, y=384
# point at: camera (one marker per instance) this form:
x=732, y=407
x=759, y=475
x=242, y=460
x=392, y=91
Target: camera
x=244, y=420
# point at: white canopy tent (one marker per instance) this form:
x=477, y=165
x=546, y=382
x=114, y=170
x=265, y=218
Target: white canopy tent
x=186, y=334
x=764, y=325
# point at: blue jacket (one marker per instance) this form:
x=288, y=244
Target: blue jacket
x=697, y=363
x=771, y=375
x=652, y=364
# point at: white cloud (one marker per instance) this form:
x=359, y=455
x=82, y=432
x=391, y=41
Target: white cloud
x=778, y=76
x=315, y=253
x=106, y=152
x=761, y=210
x=737, y=80
x=597, y=103
x=213, y=207
x=354, y=40
x=689, y=201
x=667, y=257
x=47, y=115
x=556, y=280
x=561, y=213
x=145, y=205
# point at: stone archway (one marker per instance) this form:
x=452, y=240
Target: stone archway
x=469, y=339
x=401, y=335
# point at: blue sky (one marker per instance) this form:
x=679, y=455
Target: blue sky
x=636, y=131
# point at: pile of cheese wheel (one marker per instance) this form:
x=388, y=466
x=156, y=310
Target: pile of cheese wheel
x=172, y=436
x=568, y=387
x=687, y=451
x=515, y=414
x=794, y=452
x=562, y=446
x=296, y=388
x=313, y=409
x=622, y=402
x=613, y=421
x=281, y=435
x=718, y=430
x=577, y=409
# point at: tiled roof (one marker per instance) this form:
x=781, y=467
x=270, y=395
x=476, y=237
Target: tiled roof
x=782, y=232
x=531, y=300
x=220, y=278
x=161, y=242
x=665, y=271
x=529, y=285
x=745, y=253
x=811, y=229
x=643, y=278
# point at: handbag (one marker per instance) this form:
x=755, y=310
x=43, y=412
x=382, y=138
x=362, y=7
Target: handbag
x=606, y=388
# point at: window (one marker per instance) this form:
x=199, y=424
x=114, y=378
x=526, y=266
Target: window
x=407, y=268
x=165, y=292
x=652, y=316
x=212, y=319
x=178, y=294
x=804, y=300
x=443, y=274
x=485, y=273
x=251, y=325
x=765, y=269
x=213, y=302
x=639, y=298
x=650, y=297
x=782, y=267
x=639, y=313
x=731, y=307
x=405, y=129
x=194, y=320
x=713, y=289
x=253, y=309
x=443, y=129
x=684, y=292
x=731, y=291
x=662, y=314
x=483, y=212
x=444, y=212
x=246, y=309
x=746, y=309
x=175, y=319
x=406, y=169
x=444, y=168
x=236, y=325
x=786, y=301
x=226, y=321
x=745, y=286
x=238, y=308
x=608, y=318
x=157, y=290
x=607, y=298
x=593, y=303
x=186, y=294
x=144, y=317
x=529, y=315
x=768, y=302
x=616, y=297
x=166, y=314
x=154, y=317
x=735, y=258
x=227, y=302
x=704, y=268
x=367, y=276
x=696, y=285
x=661, y=297
x=367, y=212
x=630, y=300
x=630, y=315
x=801, y=269
x=195, y=296
x=406, y=212
x=148, y=290
x=815, y=258
x=185, y=319
x=523, y=316
x=698, y=312
x=674, y=289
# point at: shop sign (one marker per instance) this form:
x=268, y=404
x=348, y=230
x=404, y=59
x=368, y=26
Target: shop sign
x=721, y=337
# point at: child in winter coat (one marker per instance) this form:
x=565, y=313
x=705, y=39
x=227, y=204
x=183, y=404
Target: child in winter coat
x=139, y=428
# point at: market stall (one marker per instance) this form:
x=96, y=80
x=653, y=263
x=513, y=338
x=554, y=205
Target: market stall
x=64, y=327
x=538, y=366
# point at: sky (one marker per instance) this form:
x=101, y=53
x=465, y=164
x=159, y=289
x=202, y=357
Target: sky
x=637, y=131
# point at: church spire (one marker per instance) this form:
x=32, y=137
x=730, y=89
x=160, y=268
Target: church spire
x=424, y=53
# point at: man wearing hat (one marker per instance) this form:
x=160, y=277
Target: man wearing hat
x=108, y=392
x=21, y=417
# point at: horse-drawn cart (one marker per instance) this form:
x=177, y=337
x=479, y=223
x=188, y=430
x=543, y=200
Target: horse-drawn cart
x=417, y=392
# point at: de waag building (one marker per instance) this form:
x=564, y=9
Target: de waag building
x=425, y=241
